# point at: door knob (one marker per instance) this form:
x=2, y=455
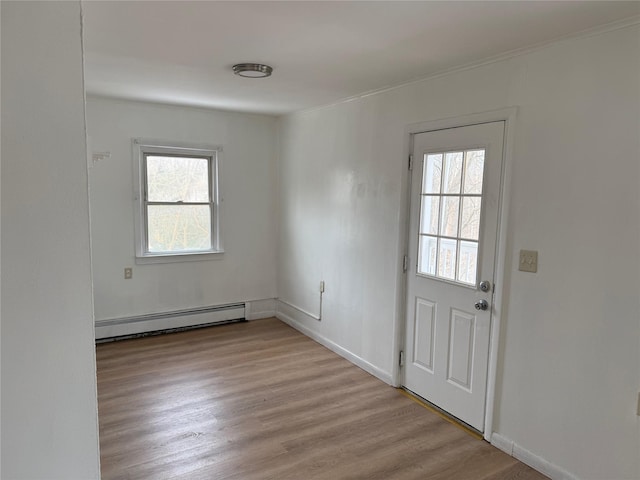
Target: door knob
x=485, y=285
x=481, y=305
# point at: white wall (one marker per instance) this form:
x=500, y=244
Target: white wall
x=568, y=371
x=49, y=415
x=247, y=182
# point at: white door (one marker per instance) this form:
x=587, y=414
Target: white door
x=455, y=193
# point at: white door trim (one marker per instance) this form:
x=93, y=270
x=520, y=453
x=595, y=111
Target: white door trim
x=508, y=115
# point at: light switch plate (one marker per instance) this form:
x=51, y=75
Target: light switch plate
x=128, y=273
x=528, y=261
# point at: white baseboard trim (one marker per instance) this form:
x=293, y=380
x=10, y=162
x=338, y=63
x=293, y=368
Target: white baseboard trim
x=527, y=457
x=334, y=347
x=258, y=309
x=502, y=443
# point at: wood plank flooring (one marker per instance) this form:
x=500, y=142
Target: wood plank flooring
x=259, y=400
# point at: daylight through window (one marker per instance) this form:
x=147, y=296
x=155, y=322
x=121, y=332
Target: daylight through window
x=450, y=214
x=178, y=207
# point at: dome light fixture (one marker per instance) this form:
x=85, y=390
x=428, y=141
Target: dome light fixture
x=252, y=70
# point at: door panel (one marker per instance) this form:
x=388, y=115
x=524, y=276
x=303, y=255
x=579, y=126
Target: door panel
x=461, y=342
x=455, y=188
x=424, y=336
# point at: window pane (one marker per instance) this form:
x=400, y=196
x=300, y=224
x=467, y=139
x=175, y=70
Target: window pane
x=179, y=228
x=468, y=262
x=447, y=258
x=429, y=220
x=432, y=175
x=450, y=212
x=449, y=219
x=470, y=224
x=427, y=255
x=177, y=179
x=474, y=170
x=452, y=172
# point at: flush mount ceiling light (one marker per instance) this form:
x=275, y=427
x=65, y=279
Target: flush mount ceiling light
x=252, y=70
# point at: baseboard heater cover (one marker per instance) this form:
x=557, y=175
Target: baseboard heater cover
x=168, y=322
x=167, y=330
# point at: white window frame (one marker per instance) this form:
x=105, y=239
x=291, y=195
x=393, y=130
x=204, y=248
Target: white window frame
x=142, y=147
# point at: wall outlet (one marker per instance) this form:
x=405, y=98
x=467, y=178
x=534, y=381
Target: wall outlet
x=128, y=273
x=528, y=261
x=322, y=286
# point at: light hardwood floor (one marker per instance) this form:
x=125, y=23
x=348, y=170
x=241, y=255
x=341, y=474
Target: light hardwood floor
x=258, y=400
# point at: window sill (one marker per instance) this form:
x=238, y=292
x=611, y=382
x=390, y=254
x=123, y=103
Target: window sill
x=179, y=258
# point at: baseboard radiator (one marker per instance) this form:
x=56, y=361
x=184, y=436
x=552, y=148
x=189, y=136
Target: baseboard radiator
x=109, y=330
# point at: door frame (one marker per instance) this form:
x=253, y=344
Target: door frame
x=508, y=116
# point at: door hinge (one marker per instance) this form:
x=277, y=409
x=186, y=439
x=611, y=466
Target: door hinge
x=401, y=359
x=405, y=263
x=410, y=162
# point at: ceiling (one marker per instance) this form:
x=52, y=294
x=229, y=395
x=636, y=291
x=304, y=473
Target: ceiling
x=181, y=52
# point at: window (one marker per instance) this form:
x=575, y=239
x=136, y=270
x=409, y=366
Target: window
x=450, y=215
x=177, y=202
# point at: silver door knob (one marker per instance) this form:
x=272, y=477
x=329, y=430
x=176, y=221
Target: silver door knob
x=481, y=305
x=485, y=285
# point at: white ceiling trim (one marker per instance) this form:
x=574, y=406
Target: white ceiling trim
x=590, y=32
